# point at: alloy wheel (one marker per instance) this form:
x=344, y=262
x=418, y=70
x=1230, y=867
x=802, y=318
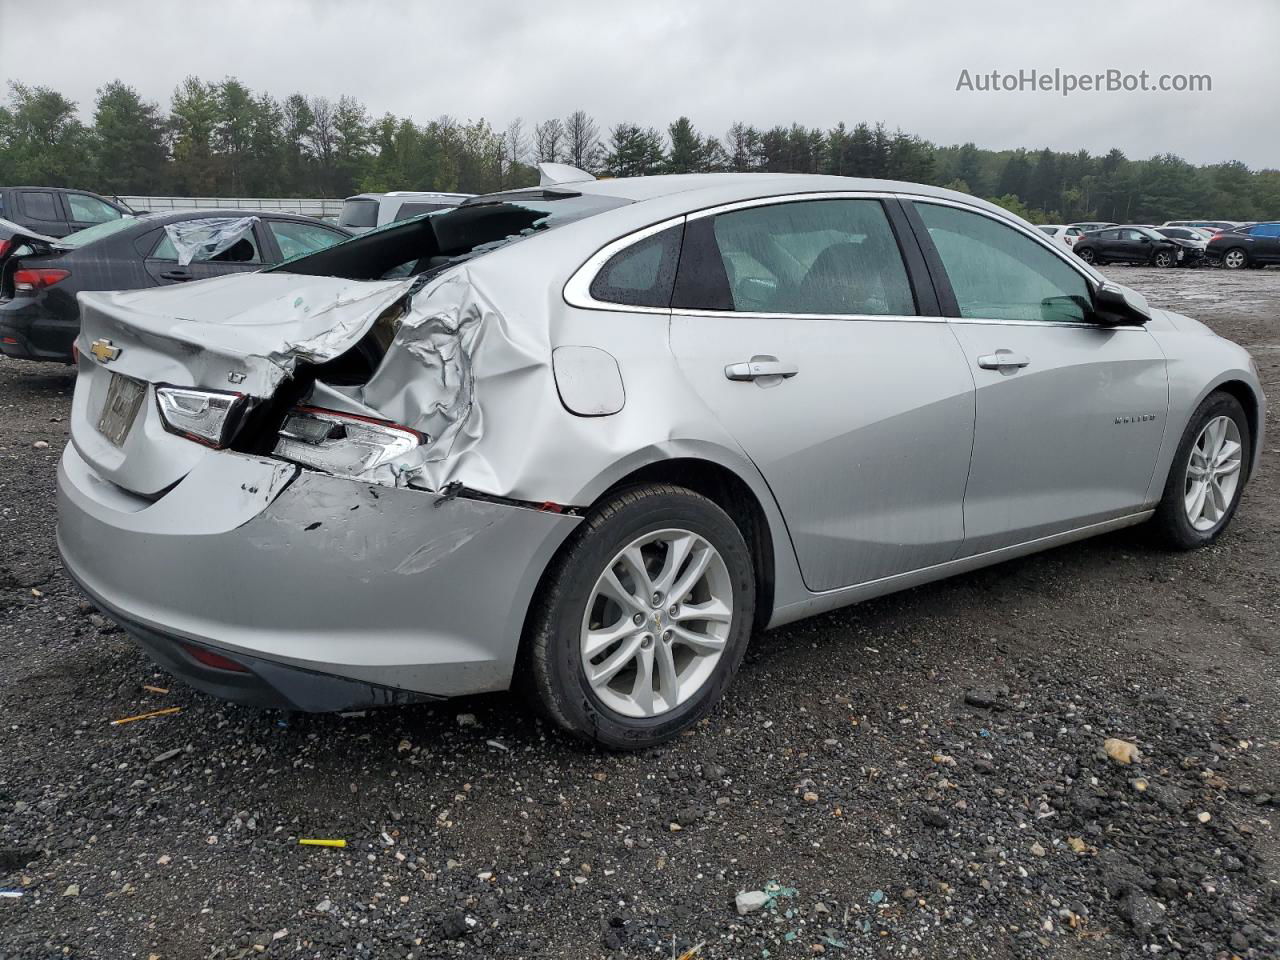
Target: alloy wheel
x=1213, y=473
x=1164, y=259
x=656, y=623
x=1234, y=259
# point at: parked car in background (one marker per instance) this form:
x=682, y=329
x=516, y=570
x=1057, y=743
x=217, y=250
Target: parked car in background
x=1214, y=225
x=1060, y=233
x=1129, y=244
x=57, y=211
x=40, y=276
x=1193, y=240
x=366, y=211
x=1256, y=245
x=601, y=432
x=1090, y=225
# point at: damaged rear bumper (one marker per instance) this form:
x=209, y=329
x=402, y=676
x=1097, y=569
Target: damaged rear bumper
x=333, y=593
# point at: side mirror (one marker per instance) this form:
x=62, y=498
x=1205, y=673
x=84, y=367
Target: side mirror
x=1118, y=306
x=1145, y=239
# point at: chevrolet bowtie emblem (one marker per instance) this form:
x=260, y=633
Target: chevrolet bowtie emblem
x=104, y=351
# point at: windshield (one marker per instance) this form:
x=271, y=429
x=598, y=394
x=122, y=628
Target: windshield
x=430, y=243
x=90, y=234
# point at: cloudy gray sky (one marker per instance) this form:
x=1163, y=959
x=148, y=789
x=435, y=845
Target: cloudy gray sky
x=715, y=60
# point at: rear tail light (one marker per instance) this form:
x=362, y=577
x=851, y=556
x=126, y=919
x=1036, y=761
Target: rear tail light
x=205, y=416
x=345, y=445
x=4, y=248
x=215, y=660
x=33, y=281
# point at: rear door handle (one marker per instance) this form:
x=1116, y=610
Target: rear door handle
x=758, y=367
x=1003, y=360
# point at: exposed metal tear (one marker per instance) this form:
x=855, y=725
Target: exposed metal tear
x=451, y=335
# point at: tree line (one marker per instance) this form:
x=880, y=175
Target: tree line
x=224, y=139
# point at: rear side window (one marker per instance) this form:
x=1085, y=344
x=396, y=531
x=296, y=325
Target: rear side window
x=810, y=257
x=86, y=209
x=1265, y=230
x=244, y=250
x=408, y=210
x=359, y=213
x=997, y=273
x=40, y=205
x=643, y=274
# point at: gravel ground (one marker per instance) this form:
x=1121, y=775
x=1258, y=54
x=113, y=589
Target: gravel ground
x=919, y=776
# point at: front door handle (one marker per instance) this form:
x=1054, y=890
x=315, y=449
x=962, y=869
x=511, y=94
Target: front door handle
x=1003, y=360
x=758, y=367
x=176, y=275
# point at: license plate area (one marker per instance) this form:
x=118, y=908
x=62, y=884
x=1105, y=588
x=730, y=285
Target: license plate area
x=124, y=399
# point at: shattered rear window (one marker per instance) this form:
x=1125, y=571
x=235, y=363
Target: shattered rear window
x=99, y=230
x=434, y=242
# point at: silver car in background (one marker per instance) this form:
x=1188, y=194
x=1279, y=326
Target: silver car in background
x=585, y=438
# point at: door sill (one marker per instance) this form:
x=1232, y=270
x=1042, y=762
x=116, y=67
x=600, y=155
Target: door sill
x=843, y=596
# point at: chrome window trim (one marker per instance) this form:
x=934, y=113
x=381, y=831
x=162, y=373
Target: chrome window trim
x=577, y=291
x=1076, y=324
x=755, y=315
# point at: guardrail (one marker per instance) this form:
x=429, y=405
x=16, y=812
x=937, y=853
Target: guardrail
x=309, y=207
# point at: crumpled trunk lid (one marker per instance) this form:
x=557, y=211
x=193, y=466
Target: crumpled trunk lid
x=242, y=333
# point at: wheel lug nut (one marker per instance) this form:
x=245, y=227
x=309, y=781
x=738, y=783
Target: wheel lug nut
x=646, y=641
x=675, y=609
x=666, y=635
x=657, y=599
x=638, y=619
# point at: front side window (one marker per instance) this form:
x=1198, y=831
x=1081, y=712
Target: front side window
x=643, y=274
x=811, y=257
x=997, y=273
x=295, y=239
x=86, y=209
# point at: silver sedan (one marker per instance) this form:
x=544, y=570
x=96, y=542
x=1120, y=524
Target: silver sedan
x=586, y=438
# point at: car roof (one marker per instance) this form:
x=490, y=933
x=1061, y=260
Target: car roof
x=54, y=189
x=407, y=195
x=691, y=191
x=176, y=216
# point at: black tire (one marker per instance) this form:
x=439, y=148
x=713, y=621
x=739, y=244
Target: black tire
x=1231, y=261
x=551, y=669
x=1087, y=255
x=1170, y=523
